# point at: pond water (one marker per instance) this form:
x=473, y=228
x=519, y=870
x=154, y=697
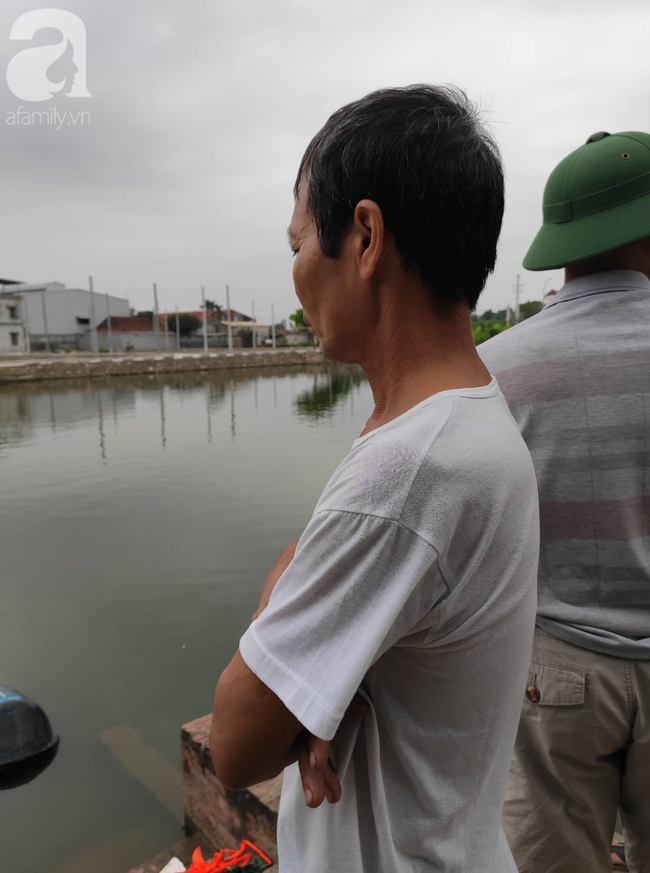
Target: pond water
x=138, y=519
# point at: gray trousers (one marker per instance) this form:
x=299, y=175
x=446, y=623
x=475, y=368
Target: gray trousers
x=582, y=751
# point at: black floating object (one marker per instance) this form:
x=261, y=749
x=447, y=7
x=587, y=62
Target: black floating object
x=25, y=730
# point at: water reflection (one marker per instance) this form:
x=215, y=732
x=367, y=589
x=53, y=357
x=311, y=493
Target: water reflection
x=327, y=392
x=69, y=403
x=163, y=436
x=233, y=432
x=207, y=397
x=100, y=423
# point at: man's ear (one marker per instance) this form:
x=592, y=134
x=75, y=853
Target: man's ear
x=369, y=237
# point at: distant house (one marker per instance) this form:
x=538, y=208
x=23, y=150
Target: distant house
x=12, y=325
x=294, y=337
x=64, y=314
x=233, y=315
x=133, y=333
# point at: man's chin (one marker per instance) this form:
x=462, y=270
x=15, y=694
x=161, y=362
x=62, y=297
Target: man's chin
x=337, y=352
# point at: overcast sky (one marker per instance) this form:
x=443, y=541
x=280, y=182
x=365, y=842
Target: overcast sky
x=200, y=112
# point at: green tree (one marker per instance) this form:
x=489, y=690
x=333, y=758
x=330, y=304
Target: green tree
x=145, y=313
x=485, y=330
x=211, y=306
x=530, y=308
x=187, y=324
x=298, y=319
x=246, y=335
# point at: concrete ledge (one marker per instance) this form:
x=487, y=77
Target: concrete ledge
x=224, y=817
x=73, y=367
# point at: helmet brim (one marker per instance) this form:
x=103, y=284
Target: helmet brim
x=557, y=245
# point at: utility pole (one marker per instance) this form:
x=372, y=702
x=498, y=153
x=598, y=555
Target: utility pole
x=273, y=325
x=109, y=328
x=178, y=332
x=93, y=322
x=205, y=322
x=229, y=317
x=156, y=317
x=518, y=289
x=508, y=314
x=254, y=323
x=45, y=330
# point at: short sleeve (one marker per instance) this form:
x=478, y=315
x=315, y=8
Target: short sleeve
x=357, y=585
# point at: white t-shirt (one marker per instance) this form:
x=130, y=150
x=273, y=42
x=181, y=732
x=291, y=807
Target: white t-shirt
x=414, y=583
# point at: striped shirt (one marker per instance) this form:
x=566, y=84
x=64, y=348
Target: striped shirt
x=577, y=380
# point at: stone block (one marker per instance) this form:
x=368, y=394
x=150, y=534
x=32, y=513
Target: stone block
x=225, y=817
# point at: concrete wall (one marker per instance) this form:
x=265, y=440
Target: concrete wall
x=72, y=366
x=298, y=339
x=136, y=341
x=139, y=341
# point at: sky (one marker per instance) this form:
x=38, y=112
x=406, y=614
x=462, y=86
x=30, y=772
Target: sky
x=200, y=112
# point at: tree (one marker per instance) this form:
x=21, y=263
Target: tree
x=530, y=308
x=298, y=319
x=211, y=306
x=187, y=324
x=145, y=313
x=484, y=330
x=246, y=335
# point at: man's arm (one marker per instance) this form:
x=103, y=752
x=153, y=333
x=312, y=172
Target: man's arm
x=253, y=735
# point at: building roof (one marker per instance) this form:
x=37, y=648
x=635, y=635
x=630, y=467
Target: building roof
x=128, y=324
x=197, y=313
x=10, y=282
x=234, y=315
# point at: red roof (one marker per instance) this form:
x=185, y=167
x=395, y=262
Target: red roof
x=128, y=324
x=198, y=313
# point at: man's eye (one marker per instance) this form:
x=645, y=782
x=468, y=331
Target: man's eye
x=294, y=252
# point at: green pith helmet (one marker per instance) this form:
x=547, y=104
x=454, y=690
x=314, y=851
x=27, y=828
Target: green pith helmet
x=596, y=199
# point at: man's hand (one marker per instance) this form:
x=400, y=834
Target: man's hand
x=319, y=779
x=317, y=773
x=286, y=557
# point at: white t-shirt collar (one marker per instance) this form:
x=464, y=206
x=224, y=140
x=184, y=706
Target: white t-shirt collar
x=481, y=391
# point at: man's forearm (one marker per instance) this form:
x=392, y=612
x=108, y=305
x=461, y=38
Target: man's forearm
x=253, y=736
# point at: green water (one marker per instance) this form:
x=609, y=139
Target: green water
x=138, y=519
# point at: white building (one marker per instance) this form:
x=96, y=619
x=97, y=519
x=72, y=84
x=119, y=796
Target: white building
x=63, y=316
x=12, y=325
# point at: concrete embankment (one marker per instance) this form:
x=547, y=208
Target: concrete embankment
x=72, y=366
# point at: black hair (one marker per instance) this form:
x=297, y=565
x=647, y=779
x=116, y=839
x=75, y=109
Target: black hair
x=422, y=154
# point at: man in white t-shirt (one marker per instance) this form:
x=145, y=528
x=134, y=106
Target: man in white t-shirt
x=385, y=666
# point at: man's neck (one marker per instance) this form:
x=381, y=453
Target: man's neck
x=409, y=361
x=635, y=257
